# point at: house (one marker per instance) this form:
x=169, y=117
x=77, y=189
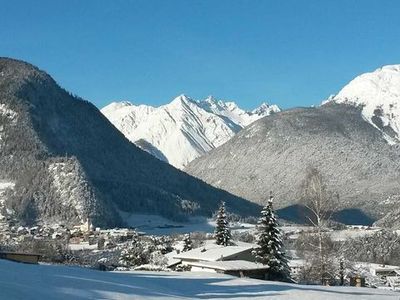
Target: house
x=213, y=252
x=239, y=268
x=383, y=271
x=85, y=227
x=357, y=280
x=171, y=261
x=28, y=258
x=236, y=260
x=296, y=266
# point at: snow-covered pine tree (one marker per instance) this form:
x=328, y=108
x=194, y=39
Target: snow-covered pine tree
x=270, y=245
x=222, y=232
x=187, y=243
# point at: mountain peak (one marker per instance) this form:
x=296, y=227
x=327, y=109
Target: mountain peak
x=265, y=109
x=14, y=74
x=377, y=93
x=210, y=99
x=179, y=100
x=197, y=126
x=395, y=68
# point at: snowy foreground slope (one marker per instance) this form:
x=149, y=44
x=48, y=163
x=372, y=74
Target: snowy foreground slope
x=20, y=281
x=378, y=93
x=184, y=129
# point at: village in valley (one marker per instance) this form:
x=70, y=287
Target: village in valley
x=259, y=250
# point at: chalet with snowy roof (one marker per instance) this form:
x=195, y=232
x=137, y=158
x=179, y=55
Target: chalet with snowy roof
x=236, y=260
x=213, y=252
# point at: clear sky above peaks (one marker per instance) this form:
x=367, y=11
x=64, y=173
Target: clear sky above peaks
x=292, y=53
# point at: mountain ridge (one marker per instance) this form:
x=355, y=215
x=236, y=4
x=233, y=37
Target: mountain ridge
x=274, y=153
x=184, y=128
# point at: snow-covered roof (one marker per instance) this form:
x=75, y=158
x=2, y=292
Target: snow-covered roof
x=296, y=263
x=374, y=266
x=213, y=252
x=171, y=261
x=229, y=265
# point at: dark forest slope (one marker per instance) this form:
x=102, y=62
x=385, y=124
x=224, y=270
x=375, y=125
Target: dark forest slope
x=68, y=161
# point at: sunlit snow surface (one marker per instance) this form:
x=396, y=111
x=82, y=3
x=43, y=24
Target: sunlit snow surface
x=37, y=282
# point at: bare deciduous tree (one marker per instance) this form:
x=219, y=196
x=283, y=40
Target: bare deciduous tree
x=320, y=204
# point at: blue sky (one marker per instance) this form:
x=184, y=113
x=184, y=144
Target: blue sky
x=293, y=53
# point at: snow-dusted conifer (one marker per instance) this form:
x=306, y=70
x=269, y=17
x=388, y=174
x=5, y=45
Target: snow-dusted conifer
x=270, y=245
x=187, y=243
x=222, y=232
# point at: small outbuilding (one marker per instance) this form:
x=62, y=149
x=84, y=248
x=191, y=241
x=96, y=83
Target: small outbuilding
x=29, y=258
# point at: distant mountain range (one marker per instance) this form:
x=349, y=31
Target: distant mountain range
x=184, y=129
x=61, y=160
x=353, y=139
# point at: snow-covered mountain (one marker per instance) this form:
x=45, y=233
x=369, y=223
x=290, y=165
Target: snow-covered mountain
x=274, y=153
x=61, y=161
x=184, y=129
x=378, y=94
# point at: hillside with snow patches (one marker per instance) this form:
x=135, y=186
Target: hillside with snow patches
x=378, y=95
x=183, y=129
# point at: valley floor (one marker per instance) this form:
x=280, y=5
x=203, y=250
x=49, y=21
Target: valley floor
x=21, y=281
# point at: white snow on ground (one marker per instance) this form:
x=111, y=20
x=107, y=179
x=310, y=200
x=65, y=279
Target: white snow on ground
x=82, y=246
x=184, y=129
x=9, y=114
x=376, y=90
x=342, y=235
x=5, y=111
x=4, y=185
x=38, y=282
x=157, y=225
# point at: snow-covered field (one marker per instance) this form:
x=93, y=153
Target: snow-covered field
x=21, y=281
x=157, y=225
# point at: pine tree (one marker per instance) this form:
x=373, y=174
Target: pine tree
x=188, y=244
x=270, y=245
x=222, y=232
